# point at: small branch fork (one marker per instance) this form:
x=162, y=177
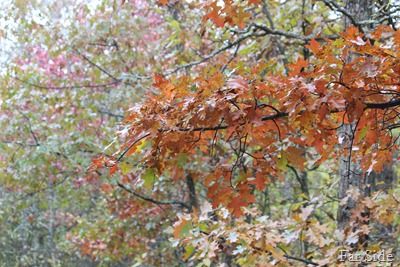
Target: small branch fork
x=95, y=65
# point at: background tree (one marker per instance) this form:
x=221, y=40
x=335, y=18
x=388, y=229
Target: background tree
x=233, y=103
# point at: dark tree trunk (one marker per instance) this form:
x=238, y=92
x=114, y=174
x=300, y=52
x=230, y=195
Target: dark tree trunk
x=192, y=192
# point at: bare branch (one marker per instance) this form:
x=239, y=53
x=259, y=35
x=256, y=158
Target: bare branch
x=95, y=65
x=221, y=127
x=269, y=31
x=232, y=57
x=272, y=25
x=335, y=7
x=101, y=111
x=115, y=82
x=216, y=52
x=30, y=127
x=19, y=143
x=158, y=202
x=127, y=149
x=301, y=260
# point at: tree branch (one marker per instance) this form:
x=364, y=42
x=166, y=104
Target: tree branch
x=269, y=31
x=101, y=111
x=68, y=87
x=129, y=147
x=300, y=259
x=95, y=65
x=231, y=58
x=278, y=42
x=216, y=52
x=383, y=105
x=158, y=202
x=19, y=143
x=221, y=127
x=335, y=7
x=30, y=127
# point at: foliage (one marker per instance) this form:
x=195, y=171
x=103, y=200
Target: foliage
x=227, y=121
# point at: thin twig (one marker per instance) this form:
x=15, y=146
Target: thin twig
x=129, y=147
x=30, y=127
x=95, y=65
x=216, y=52
x=231, y=58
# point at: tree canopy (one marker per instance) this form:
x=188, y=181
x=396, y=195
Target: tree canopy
x=199, y=133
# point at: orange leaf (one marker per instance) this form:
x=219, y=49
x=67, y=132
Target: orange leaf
x=182, y=227
x=113, y=169
x=107, y=188
x=214, y=15
x=295, y=156
x=323, y=111
x=260, y=181
x=350, y=33
x=245, y=193
x=355, y=109
x=314, y=46
x=162, y=2
x=236, y=206
x=298, y=66
x=160, y=81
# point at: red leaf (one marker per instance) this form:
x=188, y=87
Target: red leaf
x=97, y=163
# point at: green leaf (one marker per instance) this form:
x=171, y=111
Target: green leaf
x=182, y=159
x=149, y=178
x=362, y=133
x=175, y=25
x=283, y=161
x=125, y=168
x=188, y=251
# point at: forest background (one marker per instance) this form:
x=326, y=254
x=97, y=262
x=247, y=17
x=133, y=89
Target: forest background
x=198, y=133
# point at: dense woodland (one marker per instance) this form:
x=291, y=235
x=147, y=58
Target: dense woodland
x=199, y=133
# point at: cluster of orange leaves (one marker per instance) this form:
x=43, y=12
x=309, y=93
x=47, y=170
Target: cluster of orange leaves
x=275, y=120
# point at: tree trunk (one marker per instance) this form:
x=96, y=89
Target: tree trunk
x=192, y=192
x=351, y=174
